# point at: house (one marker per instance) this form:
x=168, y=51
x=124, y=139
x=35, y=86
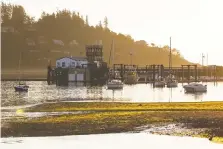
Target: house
x=7, y=29
x=72, y=62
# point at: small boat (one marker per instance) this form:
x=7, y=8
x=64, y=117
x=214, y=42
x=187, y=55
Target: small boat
x=131, y=77
x=195, y=87
x=115, y=84
x=159, y=84
x=172, y=83
x=21, y=88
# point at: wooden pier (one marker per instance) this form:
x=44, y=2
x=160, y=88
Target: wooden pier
x=185, y=73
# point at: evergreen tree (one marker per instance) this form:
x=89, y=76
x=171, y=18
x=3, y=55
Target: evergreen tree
x=106, y=23
x=86, y=21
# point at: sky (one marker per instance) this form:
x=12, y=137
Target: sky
x=195, y=26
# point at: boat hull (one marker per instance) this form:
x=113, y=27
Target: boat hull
x=114, y=86
x=159, y=84
x=172, y=84
x=195, y=88
x=192, y=89
x=21, y=89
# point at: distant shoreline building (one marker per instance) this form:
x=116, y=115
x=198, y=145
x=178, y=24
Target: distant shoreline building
x=71, y=62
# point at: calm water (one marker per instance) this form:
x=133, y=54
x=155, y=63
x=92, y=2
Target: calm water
x=40, y=92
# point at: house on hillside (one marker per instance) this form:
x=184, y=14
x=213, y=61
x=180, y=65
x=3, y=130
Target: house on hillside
x=7, y=29
x=72, y=62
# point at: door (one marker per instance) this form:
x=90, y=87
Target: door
x=72, y=77
x=80, y=77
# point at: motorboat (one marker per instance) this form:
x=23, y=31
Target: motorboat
x=172, y=83
x=131, y=77
x=159, y=84
x=115, y=84
x=195, y=87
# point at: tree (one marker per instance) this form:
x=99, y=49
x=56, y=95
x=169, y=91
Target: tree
x=86, y=21
x=153, y=45
x=106, y=23
x=6, y=13
x=18, y=17
x=99, y=24
x=67, y=27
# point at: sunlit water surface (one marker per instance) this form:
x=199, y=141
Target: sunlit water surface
x=40, y=92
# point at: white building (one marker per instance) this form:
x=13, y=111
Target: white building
x=72, y=62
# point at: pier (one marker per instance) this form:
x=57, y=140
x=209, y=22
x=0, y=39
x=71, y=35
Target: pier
x=185, y=73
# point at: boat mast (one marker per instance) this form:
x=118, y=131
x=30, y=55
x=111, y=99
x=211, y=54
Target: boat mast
x=170, y=60
x=113, y=53
x=20, y=56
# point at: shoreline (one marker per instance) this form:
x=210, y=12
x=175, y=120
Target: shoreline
x=147, y=82
x=117, y=118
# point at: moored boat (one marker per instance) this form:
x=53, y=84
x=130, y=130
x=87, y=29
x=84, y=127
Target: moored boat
x=115, y=84
x=195, y=87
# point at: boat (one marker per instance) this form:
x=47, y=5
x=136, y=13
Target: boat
x=22, y=87
x=131, y=77
x=115, y=84
x=159, y=84
x=195, y=87
x=171, y=82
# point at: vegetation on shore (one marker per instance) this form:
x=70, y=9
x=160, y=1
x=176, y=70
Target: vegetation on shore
x=118, y=117
x=117, y=106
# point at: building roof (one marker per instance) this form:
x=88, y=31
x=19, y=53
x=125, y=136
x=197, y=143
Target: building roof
x=74, y=58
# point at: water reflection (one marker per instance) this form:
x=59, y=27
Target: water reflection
x=41, y=92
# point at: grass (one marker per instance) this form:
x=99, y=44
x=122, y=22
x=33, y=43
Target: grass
x=116, y=106
x=110, y=117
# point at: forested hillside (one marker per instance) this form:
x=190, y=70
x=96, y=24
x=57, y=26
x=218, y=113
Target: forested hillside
x=66, y=33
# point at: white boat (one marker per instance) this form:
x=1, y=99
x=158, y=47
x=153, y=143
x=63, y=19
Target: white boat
x=159, y=84
x=195, y=87
x=172, y=83
x=115, y=84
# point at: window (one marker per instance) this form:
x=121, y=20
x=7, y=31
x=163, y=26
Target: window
x=63, y=64
x=73, y=63
x=58, y=64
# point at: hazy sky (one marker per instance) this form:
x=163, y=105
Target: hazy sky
x=196, y=26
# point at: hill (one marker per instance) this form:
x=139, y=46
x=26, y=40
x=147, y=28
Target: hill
x=66, y=33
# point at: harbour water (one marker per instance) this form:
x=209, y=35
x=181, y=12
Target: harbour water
x=40, y=92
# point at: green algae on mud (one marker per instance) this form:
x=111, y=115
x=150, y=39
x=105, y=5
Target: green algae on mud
x=113, y=117
x=117, y=106
x=113, y=122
